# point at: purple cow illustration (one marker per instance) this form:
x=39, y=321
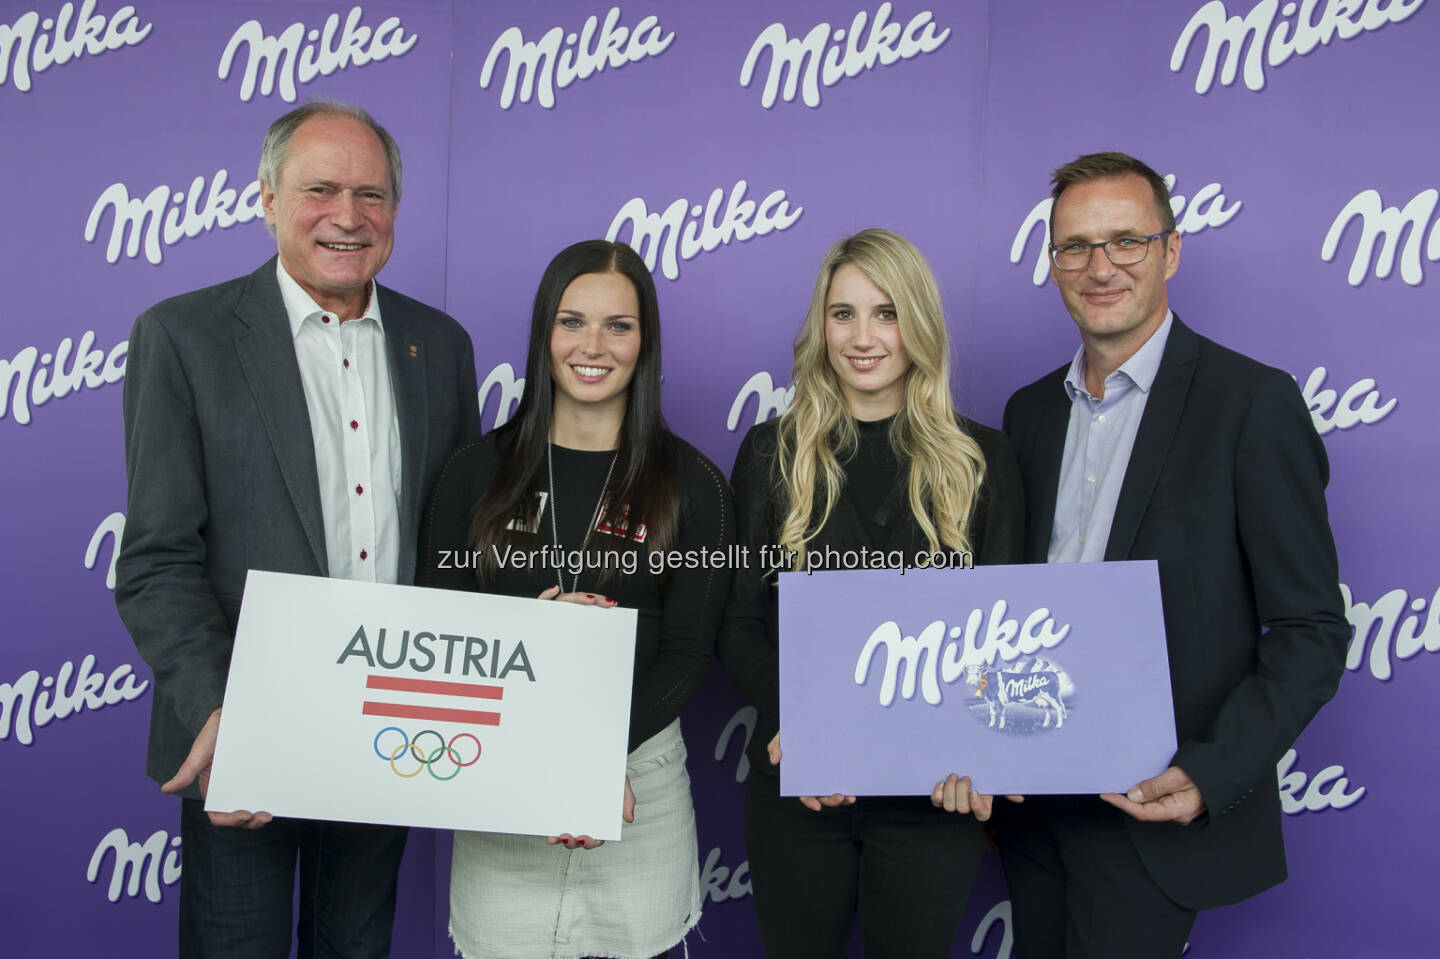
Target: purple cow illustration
x=1000, y=688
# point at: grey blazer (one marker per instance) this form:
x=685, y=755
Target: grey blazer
x=221, y=476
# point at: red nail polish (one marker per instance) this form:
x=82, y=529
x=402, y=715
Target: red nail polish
x=589, y=595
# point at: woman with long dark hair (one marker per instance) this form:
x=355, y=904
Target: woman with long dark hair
x=587, y=463
x=870, y=454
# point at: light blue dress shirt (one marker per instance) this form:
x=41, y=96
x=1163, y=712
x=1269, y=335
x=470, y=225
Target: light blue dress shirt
x=1097, y=450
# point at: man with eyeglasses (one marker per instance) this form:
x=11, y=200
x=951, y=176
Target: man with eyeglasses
x=1157, y=443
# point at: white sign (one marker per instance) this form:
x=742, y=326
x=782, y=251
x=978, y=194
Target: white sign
x=374, y=703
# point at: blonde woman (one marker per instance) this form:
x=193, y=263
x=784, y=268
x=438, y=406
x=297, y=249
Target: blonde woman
x=870, y=454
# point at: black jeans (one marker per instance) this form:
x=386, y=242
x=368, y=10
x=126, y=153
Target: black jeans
x=904, y=865
x=236, y=887
x=1078, y=888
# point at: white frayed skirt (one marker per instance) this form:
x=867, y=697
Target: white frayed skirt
x=514, y=897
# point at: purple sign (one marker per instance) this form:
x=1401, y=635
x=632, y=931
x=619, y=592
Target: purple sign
x=1028, y=679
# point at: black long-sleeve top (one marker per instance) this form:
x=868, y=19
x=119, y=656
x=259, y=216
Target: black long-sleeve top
x=678, y=619
x=872, y=512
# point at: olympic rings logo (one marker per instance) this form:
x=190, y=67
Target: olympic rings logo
x=424, y=761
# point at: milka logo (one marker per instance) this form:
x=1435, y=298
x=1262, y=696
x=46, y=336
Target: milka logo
x=771, y=400
x=33, y=702
x=742, y=722
x=1325, y=790
x=809, y=58
x=1205, y=209
x=189, y=216
x=1386, y=223
x=1406, y=637
x=1003, y=638
x=321, y=56
x=546, y=66
x=714, y=886
x=668, y=238
x=112, y=528
x=510, y=389
x=24, y=382
x=1271, y=42
x=999, y=915
x=1338, y=411
x=23, y=47
x=135, y=864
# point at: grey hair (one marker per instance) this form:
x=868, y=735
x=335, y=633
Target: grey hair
x=277, y=141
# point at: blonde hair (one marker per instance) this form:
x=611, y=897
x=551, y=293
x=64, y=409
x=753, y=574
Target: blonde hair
x=946, y=466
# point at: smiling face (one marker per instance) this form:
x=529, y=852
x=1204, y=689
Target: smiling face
x=1116, y=307
x=862, y=334
x=594, y=344
x=332, y=211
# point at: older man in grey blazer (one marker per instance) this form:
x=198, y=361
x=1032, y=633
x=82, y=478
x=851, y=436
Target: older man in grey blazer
x=293, y=419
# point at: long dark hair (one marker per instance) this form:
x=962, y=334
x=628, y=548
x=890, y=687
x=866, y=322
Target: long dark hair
x=645, y=466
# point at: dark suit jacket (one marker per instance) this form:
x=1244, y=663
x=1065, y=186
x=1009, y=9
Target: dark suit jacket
x=1226, y=489
x=221, y=476
x=747, y=646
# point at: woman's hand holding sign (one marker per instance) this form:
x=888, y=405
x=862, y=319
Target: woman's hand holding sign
x=953, y=794
x=813, y=803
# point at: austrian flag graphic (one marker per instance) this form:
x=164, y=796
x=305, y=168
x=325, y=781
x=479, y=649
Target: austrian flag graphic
x=439, y=700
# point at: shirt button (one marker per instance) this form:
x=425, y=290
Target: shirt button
x=363, y=554
x=347, y=363
x=1089, y=479
x=324, y=319
x=1101, y=417
x=359, y=489
x=354, y=424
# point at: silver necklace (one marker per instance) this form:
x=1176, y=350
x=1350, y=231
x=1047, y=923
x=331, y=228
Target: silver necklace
x=594, y=516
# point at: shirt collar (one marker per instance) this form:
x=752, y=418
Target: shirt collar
x=1140, y=369
x=301, y=306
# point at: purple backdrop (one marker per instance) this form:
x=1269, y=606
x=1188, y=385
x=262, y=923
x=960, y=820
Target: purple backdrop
x=1297, y=138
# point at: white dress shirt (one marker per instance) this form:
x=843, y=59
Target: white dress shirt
x=346, y=375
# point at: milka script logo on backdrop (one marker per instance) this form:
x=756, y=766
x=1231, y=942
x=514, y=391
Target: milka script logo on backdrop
x=546, y=65
x=510, y=389
x=112, y=528
x=29, y=45
x=999, y=914
x=1327, y=789
x=32, y=701
x=771, y=400
x=1272, y=42
x=981, y=641
x=720, y=883
x=292, y=57
x=148, y=220
x=1405, y=638
x=1330, y=410
x=1386, y=224
x=24, y=382
x=886, y=43
x=137, y=865
x=743, y=721
x=668, y=238
x=1205, y=209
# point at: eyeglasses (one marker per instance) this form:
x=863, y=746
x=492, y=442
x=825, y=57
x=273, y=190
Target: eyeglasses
x=1121, y=251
